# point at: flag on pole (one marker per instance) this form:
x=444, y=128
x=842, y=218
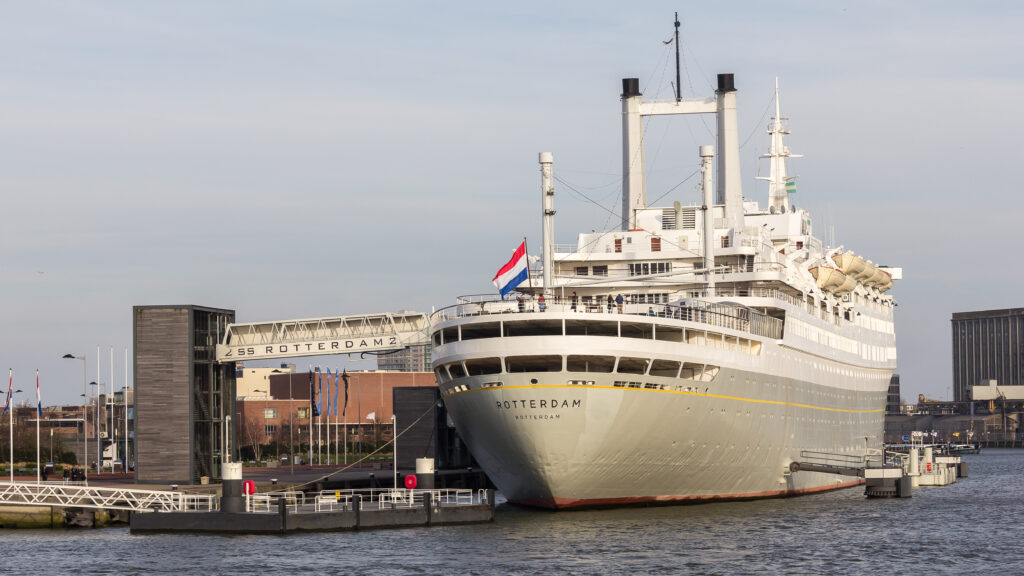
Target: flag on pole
x=10, y=386
x=319, y=392
x=372, y=415
x=312, y=395
x=791, y=187
x=336, y=386
x=344, y=377
x=39, y=398
x=513, y=272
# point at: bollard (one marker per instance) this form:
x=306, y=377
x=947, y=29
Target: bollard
x=428, y=504
x=357, y=504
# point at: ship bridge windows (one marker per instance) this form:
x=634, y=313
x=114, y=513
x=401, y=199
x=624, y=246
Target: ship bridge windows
x=482, y=330
x=629, y=365
x=442, y=375
x=539, y=363
x=456, y=369
x=449, y=335
x=634, y=330
x=581, y=363
x=669, y=368
x=668, y=333
x=591, y=328
x=479, y=366
x=534, y=328
x=437, y=338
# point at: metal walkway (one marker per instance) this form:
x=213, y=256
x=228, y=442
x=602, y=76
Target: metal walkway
x=78, y=496
x=323, y=336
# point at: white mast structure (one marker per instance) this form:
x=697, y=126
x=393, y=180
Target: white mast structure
x=778, y=180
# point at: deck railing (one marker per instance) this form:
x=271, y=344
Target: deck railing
x=731, y=316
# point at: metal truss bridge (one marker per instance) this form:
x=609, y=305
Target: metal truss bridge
x=323, y=336
x=80, y=496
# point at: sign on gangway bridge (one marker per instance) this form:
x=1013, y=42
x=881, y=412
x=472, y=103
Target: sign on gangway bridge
x=323, y=336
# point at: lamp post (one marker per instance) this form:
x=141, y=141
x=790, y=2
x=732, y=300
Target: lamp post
x=85, y=411
x=96, y=423
x=10, y=414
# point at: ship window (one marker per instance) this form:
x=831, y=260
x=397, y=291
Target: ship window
x=456, y=370
x=534, y=363
x=632, y=365
x=576, y=363
x=669, y=368
x=691, y=371
x=630, y=330
x=479, y=366
x=646, y=268
x=600, y=270
x=437, y=338
x=618, y=244
x=477, y=331
x=581, y=270
x=451, y=334
x=442, y=375
x=589, y=328
x=668, y=334
x=534, y=328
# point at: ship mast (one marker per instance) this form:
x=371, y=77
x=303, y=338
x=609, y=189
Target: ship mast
x=780, y=185
x=679, y=89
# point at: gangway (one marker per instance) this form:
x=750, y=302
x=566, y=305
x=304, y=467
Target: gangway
x=79, y=496
x=323, y=336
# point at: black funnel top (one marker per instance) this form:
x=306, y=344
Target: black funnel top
x=630, y=87
x=726, y=83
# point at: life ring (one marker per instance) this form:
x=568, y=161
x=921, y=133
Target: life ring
x=248, y=487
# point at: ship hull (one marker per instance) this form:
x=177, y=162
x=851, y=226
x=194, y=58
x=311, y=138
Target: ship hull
x=555, y=445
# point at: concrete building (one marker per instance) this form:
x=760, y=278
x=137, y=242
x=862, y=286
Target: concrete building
x=987, y=345
x=411, y=359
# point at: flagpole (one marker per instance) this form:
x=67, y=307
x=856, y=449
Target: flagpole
x=526, y=254
x=39, y=414
x=10, y=428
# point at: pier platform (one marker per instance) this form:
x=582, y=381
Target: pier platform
x=288, y=512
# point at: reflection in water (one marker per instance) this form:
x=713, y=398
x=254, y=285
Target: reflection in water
x=971, y=526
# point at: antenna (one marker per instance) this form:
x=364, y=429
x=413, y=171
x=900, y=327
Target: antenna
x=679, y=88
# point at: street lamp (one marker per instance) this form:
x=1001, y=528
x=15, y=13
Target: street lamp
x=10, y=414
x=85, y=412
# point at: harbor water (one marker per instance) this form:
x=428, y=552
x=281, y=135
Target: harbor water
x=972, y=526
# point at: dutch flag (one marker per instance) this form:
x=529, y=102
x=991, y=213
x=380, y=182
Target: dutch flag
x=513, y=272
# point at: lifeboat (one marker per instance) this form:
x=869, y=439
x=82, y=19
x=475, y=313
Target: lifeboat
x=867, y=273
x=878, y=278
x=847, y=286
x=849, y=263
x=886, y=282
x=828, y=278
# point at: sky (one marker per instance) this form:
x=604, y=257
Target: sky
x=308, y=159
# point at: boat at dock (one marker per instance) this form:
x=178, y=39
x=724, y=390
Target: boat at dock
x=693, y=354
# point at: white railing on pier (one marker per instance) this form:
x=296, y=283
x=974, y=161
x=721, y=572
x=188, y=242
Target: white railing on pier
x=369, y=499
x=46, y=494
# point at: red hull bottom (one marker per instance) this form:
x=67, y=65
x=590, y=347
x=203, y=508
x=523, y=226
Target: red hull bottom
x=579, y=503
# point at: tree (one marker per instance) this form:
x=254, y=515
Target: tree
x=254, y=434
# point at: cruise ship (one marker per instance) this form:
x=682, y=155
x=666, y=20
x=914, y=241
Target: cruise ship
x=695, y=354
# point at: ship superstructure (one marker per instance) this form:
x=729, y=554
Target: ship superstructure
x=693, y=354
